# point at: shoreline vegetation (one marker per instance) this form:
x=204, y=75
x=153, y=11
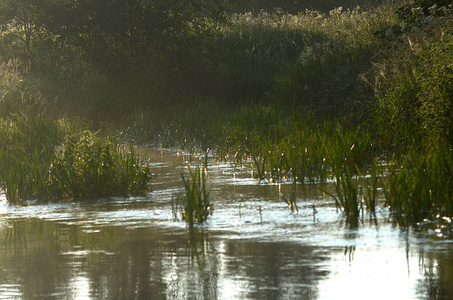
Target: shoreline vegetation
x=359, y=96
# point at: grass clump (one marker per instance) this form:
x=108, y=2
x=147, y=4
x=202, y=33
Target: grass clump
x=420, y=188
x=86, y=166
x=194, y=205
x=48, y=159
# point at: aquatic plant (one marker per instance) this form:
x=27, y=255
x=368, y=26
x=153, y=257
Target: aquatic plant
x=42, y=158
x=291, y=200
x=86, y=166
x=370, y=186
x=347, y=197
x=420, y=187
x=194, y=204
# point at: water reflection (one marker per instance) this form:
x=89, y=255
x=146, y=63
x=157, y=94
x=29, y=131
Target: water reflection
x=46, y=259
x=437, y=271
x=143, y=264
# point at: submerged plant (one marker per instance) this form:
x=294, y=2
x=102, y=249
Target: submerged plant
x=291, y=201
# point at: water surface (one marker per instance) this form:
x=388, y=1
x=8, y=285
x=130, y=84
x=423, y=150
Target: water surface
x=252, y=247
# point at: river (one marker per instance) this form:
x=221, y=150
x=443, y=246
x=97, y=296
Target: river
x=251, y=247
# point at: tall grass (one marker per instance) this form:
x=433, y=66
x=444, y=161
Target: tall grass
x=48, y=159
x=194, y=205
x=420, y=187
x=312, y=59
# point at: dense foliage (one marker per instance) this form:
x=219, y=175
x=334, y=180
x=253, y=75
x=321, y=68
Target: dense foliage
x=46, y=159
x=84, y=49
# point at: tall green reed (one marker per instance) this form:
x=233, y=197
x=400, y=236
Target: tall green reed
x=47, y=159
x=347, y=197
x=85, y=166
x=419, y=187
x=370, y=186
x=194, y=205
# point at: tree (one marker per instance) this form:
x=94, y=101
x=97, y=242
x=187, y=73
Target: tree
x=17, y=19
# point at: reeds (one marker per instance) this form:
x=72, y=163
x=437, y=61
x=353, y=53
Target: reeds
x=299, y=147
x=420, y=187
x=37, y=161
x=86, y=166
x=347, y=198
x=370, y=186
x=194, y=205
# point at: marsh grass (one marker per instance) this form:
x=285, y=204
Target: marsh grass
x=48, y=159
x=194, y=205
x=312, y=58
x=419, y=188
x=86, y=166
x=300, y=146
x=304, y=149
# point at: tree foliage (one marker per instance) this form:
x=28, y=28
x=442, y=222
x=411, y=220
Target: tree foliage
x=107, y=31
